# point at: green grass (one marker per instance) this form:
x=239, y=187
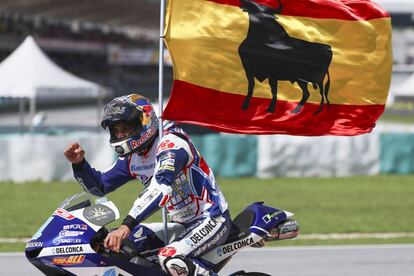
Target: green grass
x=394, y=118
x=12, y=247
x=334, y=205
x=399, y=112
x=298, y=242
x=321, y=205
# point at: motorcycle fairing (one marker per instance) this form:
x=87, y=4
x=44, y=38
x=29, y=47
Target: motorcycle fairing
x=249, y=227
x=68, y=243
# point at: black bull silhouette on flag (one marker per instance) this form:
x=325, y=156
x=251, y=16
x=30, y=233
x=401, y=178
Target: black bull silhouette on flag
x=268, y=52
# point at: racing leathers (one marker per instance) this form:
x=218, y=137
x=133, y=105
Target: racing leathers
x=176, y=177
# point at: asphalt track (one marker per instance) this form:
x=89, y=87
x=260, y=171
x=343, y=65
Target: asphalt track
x=370, y=260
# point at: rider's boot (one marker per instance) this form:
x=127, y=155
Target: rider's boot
x=182, y=266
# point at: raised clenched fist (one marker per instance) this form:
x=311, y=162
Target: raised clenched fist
x=74, y=153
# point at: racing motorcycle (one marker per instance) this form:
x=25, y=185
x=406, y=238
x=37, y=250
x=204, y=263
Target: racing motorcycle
x=70, y=242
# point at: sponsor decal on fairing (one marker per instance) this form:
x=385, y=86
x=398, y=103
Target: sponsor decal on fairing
x=63, y=214
x=99, y=214
x=60, y=240
x=138, y=236
x=218, y=254
x=34, y=244
x=66, y=250
x=139, y=233
x=229, y=248
x=69, y=260
x=67, y=233
x=83, y=227
x=268, y=217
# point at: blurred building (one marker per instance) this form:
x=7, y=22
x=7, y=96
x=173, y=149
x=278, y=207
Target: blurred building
x=402, y=16
x=113, y=43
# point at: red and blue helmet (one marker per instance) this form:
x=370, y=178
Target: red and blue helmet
x=138, y=110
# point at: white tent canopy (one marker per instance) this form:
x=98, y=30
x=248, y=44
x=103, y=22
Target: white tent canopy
x=29, y=73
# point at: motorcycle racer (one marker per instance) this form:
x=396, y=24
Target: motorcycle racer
x=175, y=177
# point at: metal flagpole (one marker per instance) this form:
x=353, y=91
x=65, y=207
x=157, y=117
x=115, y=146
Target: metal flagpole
x=160, y=96
x=32, y=112
x=21, y=114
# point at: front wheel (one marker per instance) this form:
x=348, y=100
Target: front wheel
x=243, y=273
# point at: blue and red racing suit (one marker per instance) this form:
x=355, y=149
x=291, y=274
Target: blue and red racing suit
x=176, y=177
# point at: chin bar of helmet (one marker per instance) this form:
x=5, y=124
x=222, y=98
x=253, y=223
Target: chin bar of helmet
x=126, y=146
x=122, y=148
x=135, y=142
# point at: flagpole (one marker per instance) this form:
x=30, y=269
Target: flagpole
x=160, y=96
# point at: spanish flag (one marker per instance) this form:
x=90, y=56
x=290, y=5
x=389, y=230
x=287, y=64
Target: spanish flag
x=296, y=67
